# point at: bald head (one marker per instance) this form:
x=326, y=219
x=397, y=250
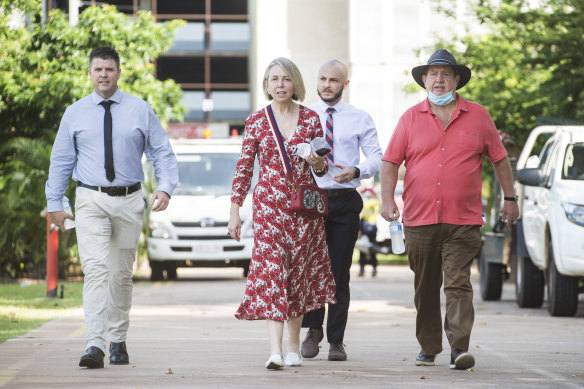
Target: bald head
x=332, y=81
x=335, y=66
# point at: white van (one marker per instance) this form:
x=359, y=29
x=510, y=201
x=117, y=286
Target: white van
x=192, y=231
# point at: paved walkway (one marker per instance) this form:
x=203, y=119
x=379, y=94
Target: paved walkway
x=183, y=335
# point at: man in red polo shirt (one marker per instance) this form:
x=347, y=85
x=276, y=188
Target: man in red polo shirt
x=442, y=141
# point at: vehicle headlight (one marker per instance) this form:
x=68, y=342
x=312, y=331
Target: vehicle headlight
x=246, y=229
x=575, y=213
x=158, y=230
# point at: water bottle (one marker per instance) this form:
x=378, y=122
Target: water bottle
x=69, y=224
x=397, y=237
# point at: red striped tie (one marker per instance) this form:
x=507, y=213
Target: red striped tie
x=329, y=132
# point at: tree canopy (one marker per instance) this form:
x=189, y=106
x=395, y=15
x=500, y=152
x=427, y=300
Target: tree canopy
x=43, y=69
x=44, y=66
x=527, y=61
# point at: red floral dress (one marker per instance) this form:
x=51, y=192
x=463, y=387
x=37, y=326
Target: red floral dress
x=290, y=272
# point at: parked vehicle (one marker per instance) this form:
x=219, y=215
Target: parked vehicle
x=192, y=231
x=551, y=230
x=546, y=245
x=498, y=253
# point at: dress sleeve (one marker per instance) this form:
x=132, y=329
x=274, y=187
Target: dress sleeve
x=317, y=132
x=245, y=163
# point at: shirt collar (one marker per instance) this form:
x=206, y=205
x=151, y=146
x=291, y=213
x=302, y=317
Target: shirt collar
x=116, y=97
x=339, y=106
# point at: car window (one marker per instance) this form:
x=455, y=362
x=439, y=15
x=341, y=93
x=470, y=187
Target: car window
x=573, y=168
x=207, y=173
x=545, y=152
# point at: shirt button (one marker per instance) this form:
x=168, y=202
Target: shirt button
x=438, y=202
x=442, y=148
x=444, y=133
x=438, y=183
x=439, y=165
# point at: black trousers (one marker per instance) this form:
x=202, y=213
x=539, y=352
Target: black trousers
x=342, y=228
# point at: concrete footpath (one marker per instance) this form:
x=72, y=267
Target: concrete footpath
x=183, y=335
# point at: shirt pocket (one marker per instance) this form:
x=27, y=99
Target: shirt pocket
x=468, y=140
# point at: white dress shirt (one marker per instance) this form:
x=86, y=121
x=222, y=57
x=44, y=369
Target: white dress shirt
x=353, y=132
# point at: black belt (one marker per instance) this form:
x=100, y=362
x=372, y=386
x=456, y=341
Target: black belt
x=338, y=192
x=113, y=190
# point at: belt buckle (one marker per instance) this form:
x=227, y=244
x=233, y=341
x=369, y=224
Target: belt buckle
x=118, y=191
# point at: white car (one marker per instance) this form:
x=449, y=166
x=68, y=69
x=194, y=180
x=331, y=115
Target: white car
x=552, y=220
x=192, y=231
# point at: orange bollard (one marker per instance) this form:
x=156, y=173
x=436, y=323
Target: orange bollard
x=52, y=255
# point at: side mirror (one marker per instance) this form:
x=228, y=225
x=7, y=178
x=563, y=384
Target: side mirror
x=530, y=176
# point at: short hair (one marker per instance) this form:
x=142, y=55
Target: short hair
x=104, y=52
x=292, y=71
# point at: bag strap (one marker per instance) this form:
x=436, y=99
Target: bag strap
x=279, y=141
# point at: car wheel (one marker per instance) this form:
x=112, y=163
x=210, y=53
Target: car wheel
x=170, y=268
x=491, y=278
x=562, y=291
x=529, y=284
x=157, y=268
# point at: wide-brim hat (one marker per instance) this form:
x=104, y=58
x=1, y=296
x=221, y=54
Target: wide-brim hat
x=442, y=57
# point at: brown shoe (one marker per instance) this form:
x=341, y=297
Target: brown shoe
x=337, y=352
x=310, y=343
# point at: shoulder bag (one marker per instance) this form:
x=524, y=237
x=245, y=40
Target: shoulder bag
x=307, y=199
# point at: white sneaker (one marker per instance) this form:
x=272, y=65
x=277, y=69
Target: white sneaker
x=293, y=359
x=275, y=362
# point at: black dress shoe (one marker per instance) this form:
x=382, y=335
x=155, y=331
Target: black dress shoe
x=119, y=354
x=93, y=358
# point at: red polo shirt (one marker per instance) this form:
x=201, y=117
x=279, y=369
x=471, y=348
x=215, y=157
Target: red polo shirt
x=443, y=178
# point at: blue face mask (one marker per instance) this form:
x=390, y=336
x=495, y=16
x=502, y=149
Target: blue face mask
x=445, y=99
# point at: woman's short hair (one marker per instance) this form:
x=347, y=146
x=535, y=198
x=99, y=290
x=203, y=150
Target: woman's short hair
x=292, y=71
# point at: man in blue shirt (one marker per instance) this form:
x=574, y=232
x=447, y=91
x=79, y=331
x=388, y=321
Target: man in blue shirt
x=100, y=142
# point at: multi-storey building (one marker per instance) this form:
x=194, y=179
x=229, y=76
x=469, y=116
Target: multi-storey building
x=220, y=55
x=209, y=59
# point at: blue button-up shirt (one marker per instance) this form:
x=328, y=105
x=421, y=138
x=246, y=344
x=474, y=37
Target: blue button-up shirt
x=79, y=146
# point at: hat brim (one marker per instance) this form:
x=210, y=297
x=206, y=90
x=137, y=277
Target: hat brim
x=461, y=70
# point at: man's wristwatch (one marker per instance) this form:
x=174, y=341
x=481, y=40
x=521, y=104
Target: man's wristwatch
x=357, y=172
x=511, y=198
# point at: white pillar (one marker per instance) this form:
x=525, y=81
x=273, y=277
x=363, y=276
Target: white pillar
x=74, y=12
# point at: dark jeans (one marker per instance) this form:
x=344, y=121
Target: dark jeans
x=370, y=231
x=342, y=228
x=443, y=253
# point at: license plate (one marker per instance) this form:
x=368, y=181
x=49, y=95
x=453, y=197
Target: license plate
x=206, y=248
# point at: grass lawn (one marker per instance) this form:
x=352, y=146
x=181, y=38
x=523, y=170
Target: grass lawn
x=24, y=308
x=382, y=259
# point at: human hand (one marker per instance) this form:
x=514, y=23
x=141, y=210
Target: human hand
x=159, y=201
x=58, y=219
x=389, y=210
x=347, y=174
x=510, y=212
x=316, y=161
x=234, y=226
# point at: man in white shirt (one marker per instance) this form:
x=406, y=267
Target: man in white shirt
x=348, y=131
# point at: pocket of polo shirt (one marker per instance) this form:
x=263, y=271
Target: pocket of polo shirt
x=468, y=140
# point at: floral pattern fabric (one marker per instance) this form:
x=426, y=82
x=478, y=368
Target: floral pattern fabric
x=290, y=272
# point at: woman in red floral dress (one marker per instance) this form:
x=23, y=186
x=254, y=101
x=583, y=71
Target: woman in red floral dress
x=289, y=273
